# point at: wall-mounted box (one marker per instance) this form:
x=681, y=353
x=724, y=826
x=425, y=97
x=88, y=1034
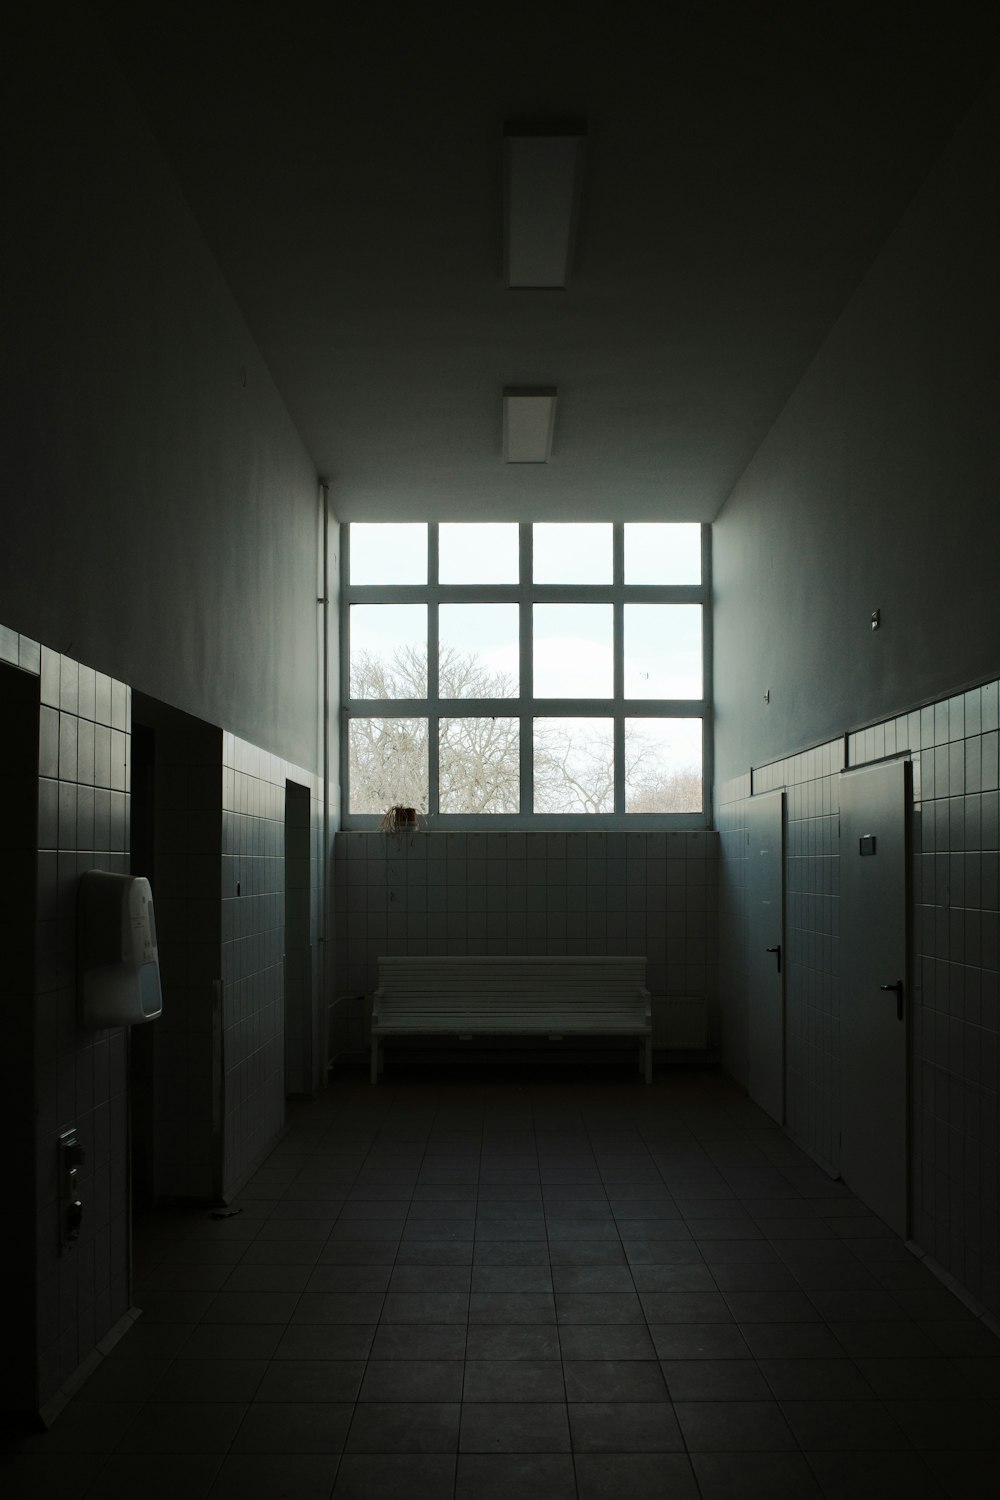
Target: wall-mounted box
x=117, y=960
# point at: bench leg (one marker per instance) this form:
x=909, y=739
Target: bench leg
x=649, y=1059
x=375, y=1060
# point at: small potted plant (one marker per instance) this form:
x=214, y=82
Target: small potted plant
x=400, y=820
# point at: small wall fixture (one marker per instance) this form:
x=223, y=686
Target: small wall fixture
x=542, y=169
x=529, y=415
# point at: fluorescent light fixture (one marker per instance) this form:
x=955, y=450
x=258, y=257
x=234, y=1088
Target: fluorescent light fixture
x=542, y=170
x=529, y=414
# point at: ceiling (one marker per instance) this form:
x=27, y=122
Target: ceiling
x=745, y=163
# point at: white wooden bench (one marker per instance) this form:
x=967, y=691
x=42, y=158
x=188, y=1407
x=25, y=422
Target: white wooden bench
x=553, y=997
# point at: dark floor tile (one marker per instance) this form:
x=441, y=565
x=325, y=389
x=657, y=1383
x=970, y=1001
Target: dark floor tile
x=714, y=1380
x=791, y=1341
x=873, y=1476
x=83, y=1427
x=423, y=1252
x=598, y=1307
x=624, y=1426
x=514, y=1380
x=211, y=1380
x=49, y=1476
x=698, y=1341
x=511, y=1307
x=586, y=1252
x=419, y=1341
x=534, y=1280
x=963, y=1476
x=662, y=1252
x=966, y=1423
x=754, y=1476
x=126, y=1475
x=514, y=1427
x=357, y=1253
x=981, y=1376
x=686, y=1307
x=816, y=1379
x=734, y=1427
x=275, y=1476
x=888, y=1340
x=385, y=1476
x=606, y=1341
x=252, y=1307
x=916, y=1378
x=856, y=1305
x=349, y=1279
x=273, y=1278
x=513, y=1341
x=123, y=1380
x=326, y=1341
x=184, y=1427
x=412, y=1380
x=822, y=1425
x=961, y=1337
x=282, y=1253
x=294, y=1427
x=404, y=1427
x=639, y=1476
x=176, y=1307
x=431, y=1279
x=686, y=1278
x=528, y=1476
x=614, y=1380
x=311, y=1380
x=511, y=1253
x=426, y=1307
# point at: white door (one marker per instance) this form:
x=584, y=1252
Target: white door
x=765, y=953
x=874, y=997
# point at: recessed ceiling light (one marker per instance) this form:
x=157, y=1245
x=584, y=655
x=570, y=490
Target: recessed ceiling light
x=542, y=170
x=529, y=414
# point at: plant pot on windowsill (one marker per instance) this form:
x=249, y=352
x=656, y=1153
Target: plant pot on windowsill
x=400, y=820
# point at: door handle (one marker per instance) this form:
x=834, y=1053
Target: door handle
x=776, y=949
x=898, y=987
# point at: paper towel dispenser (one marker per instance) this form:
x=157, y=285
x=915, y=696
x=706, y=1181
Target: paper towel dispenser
x=118, y=965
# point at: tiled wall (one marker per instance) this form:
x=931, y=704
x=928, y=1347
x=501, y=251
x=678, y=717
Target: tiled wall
x=253, y=918
x=80, y=1076
x=18, y=862
x=548, y=892
x=955, y=846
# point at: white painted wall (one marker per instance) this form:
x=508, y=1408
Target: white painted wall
x=877, y=487
x=160, y=513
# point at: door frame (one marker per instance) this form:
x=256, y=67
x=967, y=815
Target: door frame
x=906, y=763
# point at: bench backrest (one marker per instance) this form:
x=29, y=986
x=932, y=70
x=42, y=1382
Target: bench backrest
x=585, y=978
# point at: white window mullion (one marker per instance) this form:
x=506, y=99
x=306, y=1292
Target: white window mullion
x=527, y=668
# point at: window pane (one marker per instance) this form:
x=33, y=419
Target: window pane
x=479, y=767
x=663, y=651
x=478, y=654
x=574, y=765
x=573, y=650
x=478, y=552
x=389, y=552
x=572, y=553
x=662, y=552
x=663, y=765
x=387, y=764
x=388, y=650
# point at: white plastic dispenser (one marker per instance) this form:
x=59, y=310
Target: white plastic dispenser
x=119, y=970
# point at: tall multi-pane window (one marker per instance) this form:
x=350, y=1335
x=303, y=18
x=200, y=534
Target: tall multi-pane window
x=547, y=672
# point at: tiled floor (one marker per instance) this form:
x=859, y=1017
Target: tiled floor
x=531, y=1288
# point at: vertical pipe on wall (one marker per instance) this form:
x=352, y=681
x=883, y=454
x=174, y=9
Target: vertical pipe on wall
x=324, y=601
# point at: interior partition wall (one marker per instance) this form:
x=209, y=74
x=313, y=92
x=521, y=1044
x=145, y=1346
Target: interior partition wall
x=954, y=919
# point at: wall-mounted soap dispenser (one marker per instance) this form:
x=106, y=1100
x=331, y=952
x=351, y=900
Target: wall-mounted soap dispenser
x=118, y=966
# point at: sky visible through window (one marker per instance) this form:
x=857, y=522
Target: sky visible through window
x=572, y=658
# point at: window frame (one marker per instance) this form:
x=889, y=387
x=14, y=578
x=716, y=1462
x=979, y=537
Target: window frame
x=525, y=706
